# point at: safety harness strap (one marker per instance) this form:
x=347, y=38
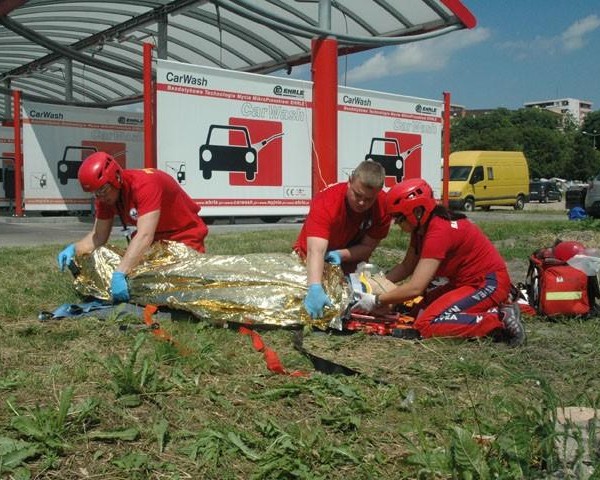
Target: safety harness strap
x=153, y=325
x=271, y=358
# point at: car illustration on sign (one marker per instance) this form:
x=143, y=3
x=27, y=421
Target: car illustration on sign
x=179, y=171
x=42, y=180
x=392, y=163
x=67, y=169
x=181, y=174
x=217, y=155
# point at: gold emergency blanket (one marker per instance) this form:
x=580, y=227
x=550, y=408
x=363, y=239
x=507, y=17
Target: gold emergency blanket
x=258, y=288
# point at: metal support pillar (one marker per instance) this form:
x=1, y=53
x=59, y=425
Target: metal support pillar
x=18, y=154
x=324, y=75
x=162, y=47
x=68, y=80
x=149, y=103
x=7, y=100
x=446, y=149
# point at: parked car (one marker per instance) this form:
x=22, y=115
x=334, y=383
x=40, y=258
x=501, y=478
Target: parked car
x=592, y=197
x=544, y=192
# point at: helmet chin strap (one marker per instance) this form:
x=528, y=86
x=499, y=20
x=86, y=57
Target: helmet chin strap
x=418, y=216
x=417, y=229
x=120, y=207
x=120, y=199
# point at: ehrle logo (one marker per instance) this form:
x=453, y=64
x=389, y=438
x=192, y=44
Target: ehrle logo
x=130, y=121
x=288, y=92
x=426, y=109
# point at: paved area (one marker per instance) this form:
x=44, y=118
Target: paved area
x=34, y=229
x=37, y=230
x=28, y=232
x=532, y=212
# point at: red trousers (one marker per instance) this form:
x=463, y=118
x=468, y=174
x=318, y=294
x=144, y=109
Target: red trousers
x=451, y=311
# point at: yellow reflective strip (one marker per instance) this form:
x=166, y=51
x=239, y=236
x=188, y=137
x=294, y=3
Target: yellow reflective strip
x=564, y=295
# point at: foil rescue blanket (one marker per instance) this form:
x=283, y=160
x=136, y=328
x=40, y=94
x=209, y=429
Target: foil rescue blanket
x=258, y=288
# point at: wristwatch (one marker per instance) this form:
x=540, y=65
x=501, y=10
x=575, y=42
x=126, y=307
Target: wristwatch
x=377, y=302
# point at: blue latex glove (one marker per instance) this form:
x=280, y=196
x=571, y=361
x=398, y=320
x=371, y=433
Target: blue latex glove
x=316, y=299
x=118, y=287
x=333, y=257
x=66, y=256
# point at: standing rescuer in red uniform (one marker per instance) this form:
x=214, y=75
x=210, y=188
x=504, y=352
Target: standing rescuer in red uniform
x=345, y=223
x=149, y=199
x=446, y=244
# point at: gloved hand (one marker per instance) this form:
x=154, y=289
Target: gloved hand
x=366, y=302
x=66, y=256
x=316, y=299
x=333, y=257
x=118, y=287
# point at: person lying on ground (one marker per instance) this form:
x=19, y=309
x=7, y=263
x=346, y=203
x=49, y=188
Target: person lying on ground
x=475, y=300
x=345, y=223
x=149, y=199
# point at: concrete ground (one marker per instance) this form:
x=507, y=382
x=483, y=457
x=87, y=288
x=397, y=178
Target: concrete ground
x=34, y=229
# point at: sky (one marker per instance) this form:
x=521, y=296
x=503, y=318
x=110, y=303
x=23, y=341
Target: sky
x=520, y=51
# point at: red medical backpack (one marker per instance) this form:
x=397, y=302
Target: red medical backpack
x=556, y=288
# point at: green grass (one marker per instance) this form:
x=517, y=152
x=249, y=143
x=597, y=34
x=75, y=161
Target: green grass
x=81, y=398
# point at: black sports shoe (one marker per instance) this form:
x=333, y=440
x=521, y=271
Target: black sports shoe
x=510, y=315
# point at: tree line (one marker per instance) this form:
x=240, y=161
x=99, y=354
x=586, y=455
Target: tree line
x=554, y=146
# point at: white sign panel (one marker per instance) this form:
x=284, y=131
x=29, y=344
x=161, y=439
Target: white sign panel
x=7, y=165
x=402, y=133
x=56, y=139
x=238, y=143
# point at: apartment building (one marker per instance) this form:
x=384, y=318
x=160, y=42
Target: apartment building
x=576, y=109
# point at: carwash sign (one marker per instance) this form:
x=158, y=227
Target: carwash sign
x=241, y=144
x=238, y=143
x=401, y=133
x=56, y=140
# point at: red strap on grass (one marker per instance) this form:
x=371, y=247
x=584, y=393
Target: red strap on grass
x=158, y=332
x=271, y=358
x=149, y=310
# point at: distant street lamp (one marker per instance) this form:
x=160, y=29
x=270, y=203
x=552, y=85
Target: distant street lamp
x=592, y=134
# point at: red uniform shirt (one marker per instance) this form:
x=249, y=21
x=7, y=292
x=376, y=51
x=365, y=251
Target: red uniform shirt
x=331, y=218
x=467, y=255
x=148, y=190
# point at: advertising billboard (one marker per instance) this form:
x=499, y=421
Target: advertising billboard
x=57, y=138
x=402, y=133
x=239, y=143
